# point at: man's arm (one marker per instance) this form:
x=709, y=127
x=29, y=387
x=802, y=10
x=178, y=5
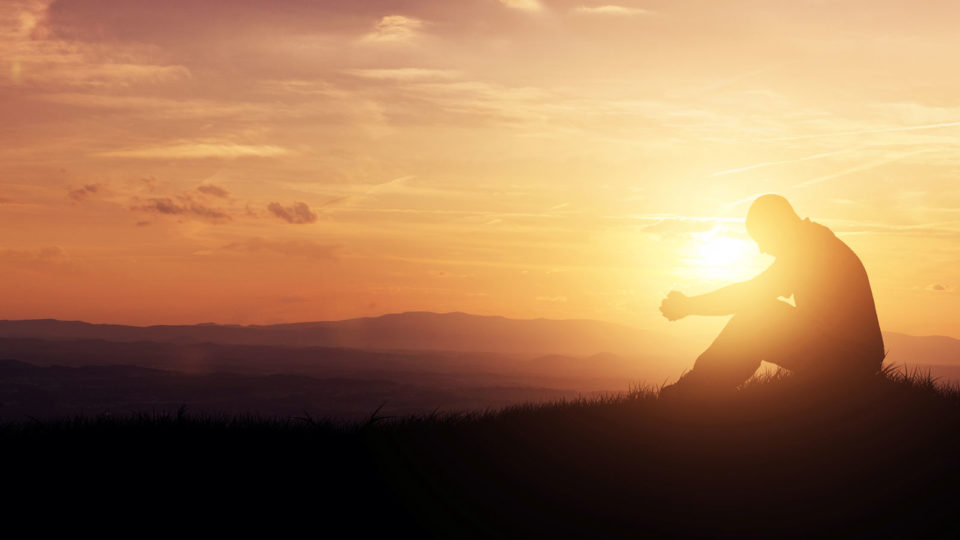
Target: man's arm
x=727, y=300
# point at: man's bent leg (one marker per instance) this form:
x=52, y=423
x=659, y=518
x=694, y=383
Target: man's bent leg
x=749, y=337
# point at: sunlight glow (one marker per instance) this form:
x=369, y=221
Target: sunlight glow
x=721, y=257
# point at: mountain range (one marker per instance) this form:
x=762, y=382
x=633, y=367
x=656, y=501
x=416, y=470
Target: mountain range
x=427, y=331
x=399, y=331
x=412, y=362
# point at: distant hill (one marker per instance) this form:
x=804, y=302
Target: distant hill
x=447, y=345
x=446, y=369
x=928, y=350
x=401, y=331
x=452, y=332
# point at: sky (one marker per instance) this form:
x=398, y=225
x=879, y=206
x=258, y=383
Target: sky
x=258, y=162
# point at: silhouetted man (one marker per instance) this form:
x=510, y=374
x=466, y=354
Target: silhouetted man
x=833, y=329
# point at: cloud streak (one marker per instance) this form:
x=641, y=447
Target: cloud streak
x=298, y=214
x=213, y=191
x=84, y=192
x=49, y=259
x=184, y=206
x=862, y=167
x=611, y=9
x=199, y=151
x=782, y=162
x=940, y=125
x=291, y=248
x=394, y=29
x=523, y=5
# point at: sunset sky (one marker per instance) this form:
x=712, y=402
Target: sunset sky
x=291, y=160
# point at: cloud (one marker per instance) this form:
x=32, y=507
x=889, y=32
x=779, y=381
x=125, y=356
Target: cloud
x=782, y=162
x=922, y=230
x=404, y=74
x=674, y=226
x=611, y=10
x=183, y=206
x=298, y=214
x=863, y=167
x=154, y=106
x=49, y=259
x=52, y=71
x=395, y=28
x=199, y=150
x=680, y=226
x=524, y=5
x=82, y=193
x=871, y=131
x=39, y=57
x=214, y=191
x=939, y=287
x=293, y=248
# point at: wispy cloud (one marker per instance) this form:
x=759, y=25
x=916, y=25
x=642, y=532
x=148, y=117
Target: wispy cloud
x=37, y=57
x=394, y=29
x=523, y=5
x=680, y=226
x=293, y=248
x=50, y=259
x=950, y=229
x=862, y=167
x=200, y=150
x=404, y=74
x=782, y=162
x=83, y=192
x=357, y=193
x=894, y=129
x=940, y=287
x=152, y=105
x=298, y=214
x=213, y=190
x=182, y=206
x=611, y=9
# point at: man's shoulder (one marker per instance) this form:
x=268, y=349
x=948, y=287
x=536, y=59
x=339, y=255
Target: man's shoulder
x=818, y=230
x=820, y=238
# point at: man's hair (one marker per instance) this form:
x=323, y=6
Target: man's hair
x=770, y=212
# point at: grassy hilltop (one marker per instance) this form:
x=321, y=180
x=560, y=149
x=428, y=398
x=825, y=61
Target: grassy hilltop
x=781, y=458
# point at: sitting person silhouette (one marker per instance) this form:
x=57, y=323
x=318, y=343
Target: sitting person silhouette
x=832, y=331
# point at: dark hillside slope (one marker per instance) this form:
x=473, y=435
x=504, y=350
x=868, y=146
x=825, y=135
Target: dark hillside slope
x=29, y=391
x=781, y=459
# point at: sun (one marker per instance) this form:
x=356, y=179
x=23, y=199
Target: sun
x=719, y=256
x=720, y=251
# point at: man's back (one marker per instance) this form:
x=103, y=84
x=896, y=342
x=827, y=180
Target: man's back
x=831, y=290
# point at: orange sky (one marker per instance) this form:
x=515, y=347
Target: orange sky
x=258, y=162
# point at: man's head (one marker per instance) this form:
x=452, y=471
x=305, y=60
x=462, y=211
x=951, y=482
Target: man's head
x=772, y=223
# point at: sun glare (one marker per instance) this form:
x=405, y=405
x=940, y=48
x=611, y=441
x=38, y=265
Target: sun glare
x=721, y=257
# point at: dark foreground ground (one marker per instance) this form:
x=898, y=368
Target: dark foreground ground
x=782, y=458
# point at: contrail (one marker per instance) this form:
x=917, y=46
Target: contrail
x=869, y=131
x=782, y=162
x=859, y=168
